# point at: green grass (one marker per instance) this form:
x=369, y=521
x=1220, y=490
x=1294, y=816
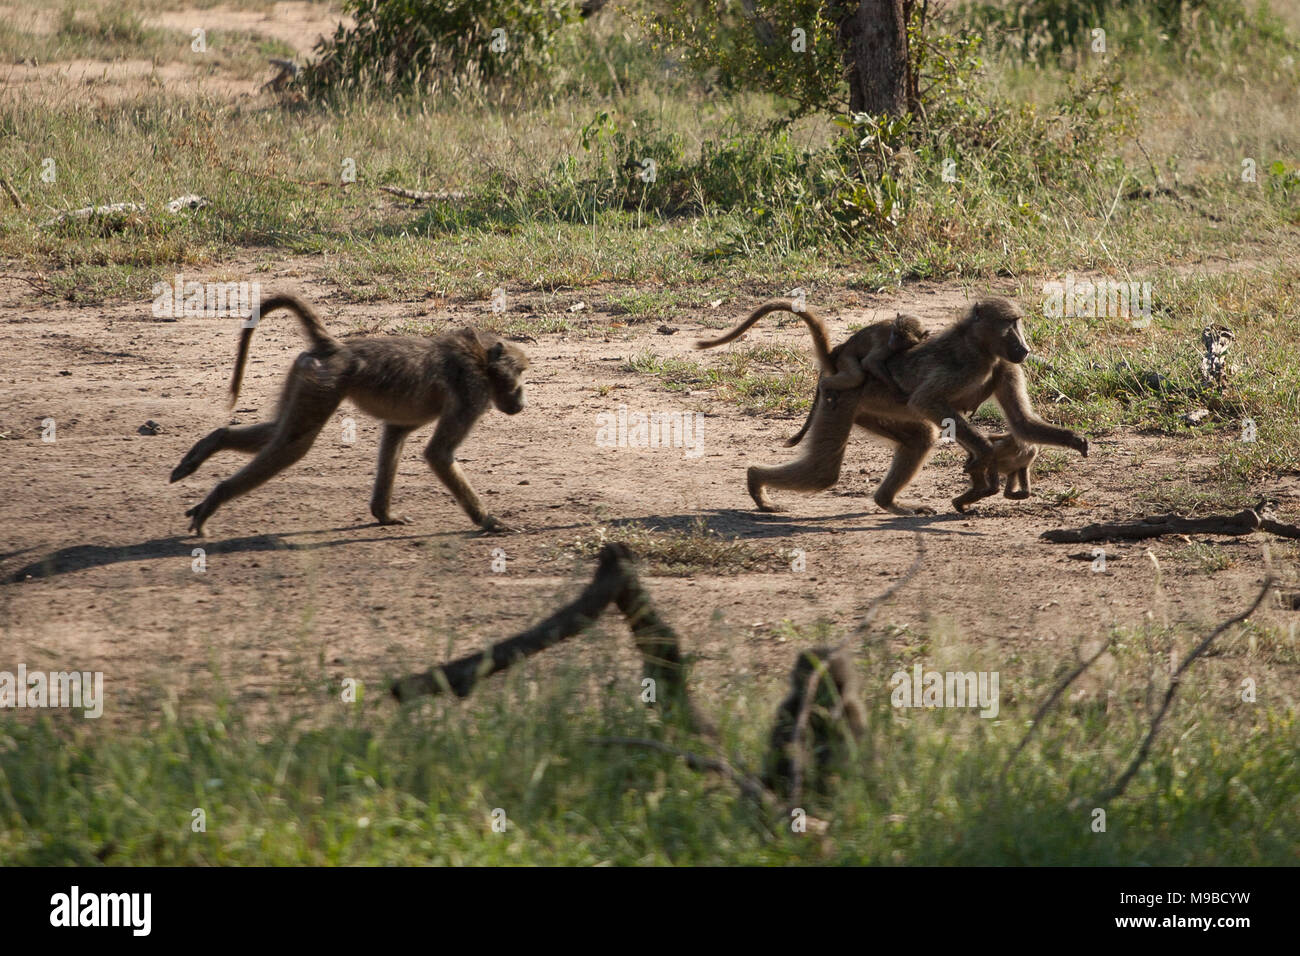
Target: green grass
x=371, y=784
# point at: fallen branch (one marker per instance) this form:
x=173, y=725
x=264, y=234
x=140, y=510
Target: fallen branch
x=112, y=210
x=36, y=284
x=460, y=676
x=1245, y=521
x=12, y=194
x=86, y=212
x=1118, y=787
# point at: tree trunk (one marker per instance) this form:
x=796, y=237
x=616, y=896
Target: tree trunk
x=873, y=38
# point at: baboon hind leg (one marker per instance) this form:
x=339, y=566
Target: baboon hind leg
x=913, y=441
x=305, y=407
x=248, y=438
x=390, y=449
x=1018, y=484
x=819, y=466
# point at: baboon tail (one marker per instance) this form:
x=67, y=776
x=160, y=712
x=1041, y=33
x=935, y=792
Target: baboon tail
x=311, y=324
x=797, y=437
x=821, y=342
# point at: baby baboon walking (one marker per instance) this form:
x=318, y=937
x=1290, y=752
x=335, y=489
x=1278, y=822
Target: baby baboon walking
x=405, y=382
x=946, y=376
x=1012, y=458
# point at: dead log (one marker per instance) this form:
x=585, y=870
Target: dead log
x=615, y=581
x=460, y=676
x=419, y=195
x=816, y=724
x=1245, y=521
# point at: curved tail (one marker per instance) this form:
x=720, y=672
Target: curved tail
x=821, y=342
x=797, y=437
x=311, y=324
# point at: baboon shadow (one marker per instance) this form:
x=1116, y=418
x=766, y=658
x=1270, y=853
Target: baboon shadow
x=744, y=523
x=81, y=557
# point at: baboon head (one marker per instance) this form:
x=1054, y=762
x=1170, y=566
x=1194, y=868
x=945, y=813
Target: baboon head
x=999, y=328
x=505, y=367
x=907, y=331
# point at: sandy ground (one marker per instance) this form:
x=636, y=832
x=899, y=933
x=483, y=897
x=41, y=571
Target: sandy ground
x=299, y=589
x=298, y=24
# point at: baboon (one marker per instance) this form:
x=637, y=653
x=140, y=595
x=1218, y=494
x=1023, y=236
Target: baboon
x=405, y=382
x=949, y=374
x=836, y=716
x=875, y=348
x=845, y=366
x=1012, y=458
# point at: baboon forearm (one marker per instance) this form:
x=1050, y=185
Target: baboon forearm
x=1035, y=431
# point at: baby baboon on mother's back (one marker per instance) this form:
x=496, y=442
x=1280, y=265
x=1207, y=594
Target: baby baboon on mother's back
x=945, y=377
x=404, y=381
x=866, y=351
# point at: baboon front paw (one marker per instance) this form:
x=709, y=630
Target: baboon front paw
x=496, y=526
x=198, y=515
x=392, y=519
x=1081, y=446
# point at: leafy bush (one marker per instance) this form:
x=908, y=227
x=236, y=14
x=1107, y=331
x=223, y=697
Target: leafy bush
x=736, y=50
x=406, y=43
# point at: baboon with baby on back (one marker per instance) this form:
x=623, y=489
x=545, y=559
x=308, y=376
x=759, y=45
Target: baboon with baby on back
x=944, y=377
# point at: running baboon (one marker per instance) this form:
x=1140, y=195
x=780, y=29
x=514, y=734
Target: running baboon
x=405, y=382
x=945, y=376
x=1012, y=458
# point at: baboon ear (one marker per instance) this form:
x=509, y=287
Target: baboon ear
x=497, y=350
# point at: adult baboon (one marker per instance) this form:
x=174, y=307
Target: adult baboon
x=404, y=381
x=946, y=376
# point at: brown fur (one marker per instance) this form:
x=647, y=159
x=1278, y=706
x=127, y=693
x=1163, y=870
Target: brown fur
x=867, y=350
x=1012, y=458
x=946, y=376
x=403, y=381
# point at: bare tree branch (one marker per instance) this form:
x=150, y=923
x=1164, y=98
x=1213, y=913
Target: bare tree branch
x=1119, y=786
